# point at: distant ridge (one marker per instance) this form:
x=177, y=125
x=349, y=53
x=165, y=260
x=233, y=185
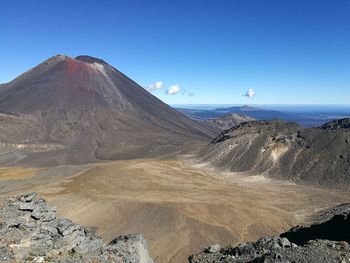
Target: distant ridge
x=227, y=121
x=307, y=117
x=317, y=156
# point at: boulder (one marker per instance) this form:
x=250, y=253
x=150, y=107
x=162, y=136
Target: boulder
x=28, y=197
x=133, y=248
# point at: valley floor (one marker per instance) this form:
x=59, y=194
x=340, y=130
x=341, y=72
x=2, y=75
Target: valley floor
x=180, y=206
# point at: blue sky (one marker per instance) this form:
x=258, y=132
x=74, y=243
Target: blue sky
x=295, y=51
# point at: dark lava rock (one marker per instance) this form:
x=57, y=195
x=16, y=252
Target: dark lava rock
x=325, y=241
x=284, y=150
x=270, y=250
x=337, y=124
x=30, y=232
x=331, y=224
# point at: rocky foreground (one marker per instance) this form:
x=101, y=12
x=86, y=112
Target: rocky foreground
x=324, y=241
x=279, y=250
x=30, y=232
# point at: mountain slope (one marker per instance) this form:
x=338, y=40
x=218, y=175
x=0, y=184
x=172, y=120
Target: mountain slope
x=319, y=156
x=86, y=110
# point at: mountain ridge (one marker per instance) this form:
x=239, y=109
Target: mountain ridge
x=317, y=156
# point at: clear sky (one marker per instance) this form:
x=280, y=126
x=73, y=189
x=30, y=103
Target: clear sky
x=199, y=51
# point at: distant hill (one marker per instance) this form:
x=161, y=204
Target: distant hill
x=253, y=112
x=257, y=113
x=81, y=110
x=227, y=121
x=307, y=117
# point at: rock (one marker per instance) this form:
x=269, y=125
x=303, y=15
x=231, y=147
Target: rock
x=70, y=242
x=71, y=229
x=49, y=215
x=26, y=207
x=28, y=197
x=40, y=247
x=50, y=230
x=88, y=245
x=62, y=225
x=213, y=249
x=133, y=248
x=284, y=242
x=39, y=259
x=38, y=213
x=30, y=232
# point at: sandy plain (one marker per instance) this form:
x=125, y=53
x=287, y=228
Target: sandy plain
x=179, y=205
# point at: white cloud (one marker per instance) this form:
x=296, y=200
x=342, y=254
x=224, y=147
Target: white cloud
x=159, y=84
x=250, y=93
x=173, y=89
x=155, y=86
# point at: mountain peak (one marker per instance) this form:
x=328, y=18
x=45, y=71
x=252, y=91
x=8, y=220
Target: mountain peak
x=91, y=60
x=83, y=106
x=80, y=58
x=56, y=58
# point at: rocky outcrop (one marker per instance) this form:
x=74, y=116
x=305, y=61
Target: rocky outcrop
x=30, y=232
x=317, y=156
x=325, y=241
x=331, y=224
x=337, y=124
x=279, y=250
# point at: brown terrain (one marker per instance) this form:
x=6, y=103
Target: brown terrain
x=179, y=205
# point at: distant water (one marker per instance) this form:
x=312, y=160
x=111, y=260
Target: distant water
x=279, y=107
x=306, y=115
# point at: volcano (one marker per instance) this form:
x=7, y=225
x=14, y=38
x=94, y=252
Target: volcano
x=80, y=110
